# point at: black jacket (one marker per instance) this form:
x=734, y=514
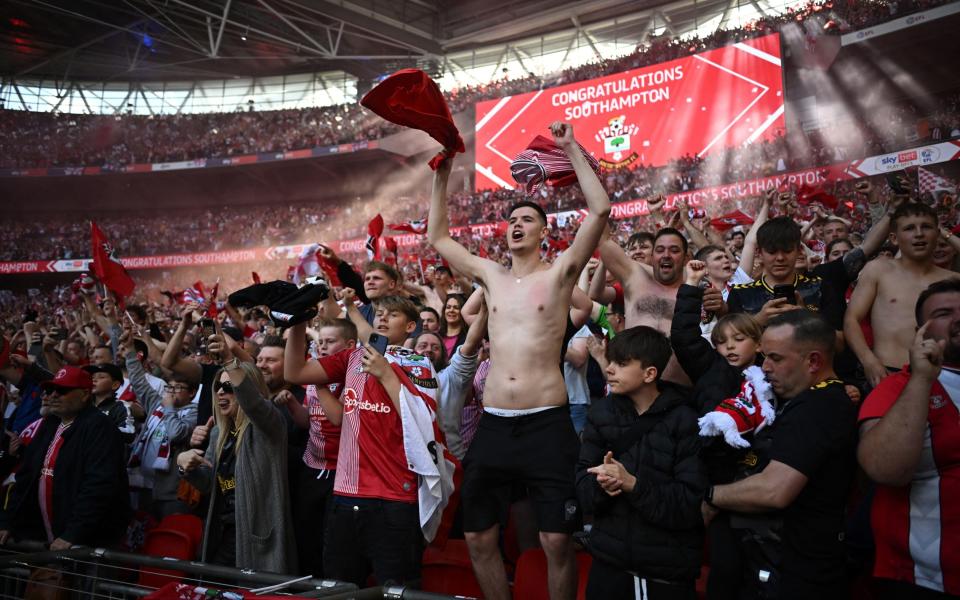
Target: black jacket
x=655, y=531
x=714, y=380
x=91, y=504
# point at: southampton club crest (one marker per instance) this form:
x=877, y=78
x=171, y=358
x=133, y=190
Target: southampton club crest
x=615, y=138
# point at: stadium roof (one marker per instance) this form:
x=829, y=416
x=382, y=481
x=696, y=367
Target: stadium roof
x=127, y=40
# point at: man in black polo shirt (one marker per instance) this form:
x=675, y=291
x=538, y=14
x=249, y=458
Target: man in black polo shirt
x=805, y=465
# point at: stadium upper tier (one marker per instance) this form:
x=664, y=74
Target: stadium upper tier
x=44, y=139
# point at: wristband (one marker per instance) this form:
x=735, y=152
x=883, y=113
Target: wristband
x=708, y=498
x=232, y=365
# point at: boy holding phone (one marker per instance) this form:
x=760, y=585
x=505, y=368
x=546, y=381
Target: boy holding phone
x=781, y=288
x=375, y=515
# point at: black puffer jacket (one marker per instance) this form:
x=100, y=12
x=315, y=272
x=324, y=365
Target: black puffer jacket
x=655, y=531
x=714, y=380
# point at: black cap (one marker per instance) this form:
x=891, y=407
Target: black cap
x=109, y=368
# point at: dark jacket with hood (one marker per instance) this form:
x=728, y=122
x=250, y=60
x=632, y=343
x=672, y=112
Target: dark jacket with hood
x=655, y=531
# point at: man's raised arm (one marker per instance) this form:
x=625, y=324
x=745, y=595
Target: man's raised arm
x=438, y=228
x=598, y=202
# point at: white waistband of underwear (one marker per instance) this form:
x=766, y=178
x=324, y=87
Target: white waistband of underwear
x=515, y=412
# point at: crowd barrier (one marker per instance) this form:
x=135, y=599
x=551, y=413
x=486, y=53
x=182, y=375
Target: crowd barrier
x=98, y=573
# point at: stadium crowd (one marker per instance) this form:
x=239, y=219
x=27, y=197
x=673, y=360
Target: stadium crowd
x=712, y=378
x=43, y=139
x=759, y=398
x=161, y=232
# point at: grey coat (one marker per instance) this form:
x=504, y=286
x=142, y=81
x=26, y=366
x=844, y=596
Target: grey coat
x=265, y=539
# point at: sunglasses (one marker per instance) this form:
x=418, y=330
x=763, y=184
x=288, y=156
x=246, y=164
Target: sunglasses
x=177, y=388
x=226, y=387
x=61, y=391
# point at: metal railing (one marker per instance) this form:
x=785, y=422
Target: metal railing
x=99, y=573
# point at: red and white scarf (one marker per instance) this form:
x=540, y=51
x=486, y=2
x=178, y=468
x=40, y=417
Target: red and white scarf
x=46, y=480
x=162, y=461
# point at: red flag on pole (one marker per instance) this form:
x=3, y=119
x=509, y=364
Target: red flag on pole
x=256, y=276
x=417, y=226
x=391, y=244
x=374, y=231
x=212, y=311
x=107, y=266
x=329, y=268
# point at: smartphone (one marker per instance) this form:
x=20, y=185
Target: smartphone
x=893, y=180
x=786, y=291
x=60, y=334
x=378, y=342
x=207, y=328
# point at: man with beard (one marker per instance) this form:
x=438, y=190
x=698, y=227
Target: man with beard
x=284, y=394
x=887, y=289
x=910, y=446
x=455, y=377
x=528, y=306
x=649, y=293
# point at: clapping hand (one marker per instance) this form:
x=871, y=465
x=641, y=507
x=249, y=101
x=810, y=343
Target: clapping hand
x=612, y=476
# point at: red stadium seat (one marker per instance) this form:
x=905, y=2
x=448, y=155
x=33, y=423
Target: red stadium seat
x=191, y=525
x=530, y=582
x=448, y=570
x=165, y=543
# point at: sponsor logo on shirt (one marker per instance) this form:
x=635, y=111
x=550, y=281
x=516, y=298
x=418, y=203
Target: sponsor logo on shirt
x=937, y=402
x=352, y=402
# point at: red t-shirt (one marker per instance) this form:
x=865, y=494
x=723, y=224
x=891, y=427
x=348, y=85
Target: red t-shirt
x=917, y=527
x=371, y=462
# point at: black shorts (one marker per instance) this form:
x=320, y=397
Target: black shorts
x=537, y=451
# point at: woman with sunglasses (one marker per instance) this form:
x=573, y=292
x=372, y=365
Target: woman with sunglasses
x=244, y=471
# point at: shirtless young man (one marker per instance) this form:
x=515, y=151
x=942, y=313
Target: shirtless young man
x=888, y=289
x=649, y=295
x=525, y=435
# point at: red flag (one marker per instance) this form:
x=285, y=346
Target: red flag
x=733, y=219
x=391, y=244
x=256, y=277
x=374, y=231
x=417, y=226
x=212, y=307
x=807, y=195
x=107, y=267
x=329, y=268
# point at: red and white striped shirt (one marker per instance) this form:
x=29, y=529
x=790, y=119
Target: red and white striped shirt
x=371, y=462
x=917, y=527
x=324, y=441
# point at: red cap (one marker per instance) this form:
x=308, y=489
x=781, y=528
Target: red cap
x=70, y=378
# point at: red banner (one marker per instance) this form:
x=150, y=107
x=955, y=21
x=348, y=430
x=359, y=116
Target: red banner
x=690, y=106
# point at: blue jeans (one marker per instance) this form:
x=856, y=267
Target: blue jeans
x=578, y=413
